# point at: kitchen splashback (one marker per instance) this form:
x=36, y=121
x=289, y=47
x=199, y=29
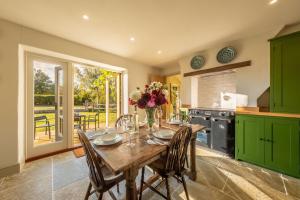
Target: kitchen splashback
x=210, y=88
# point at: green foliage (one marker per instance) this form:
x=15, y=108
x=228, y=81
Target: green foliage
x=42, y=83
x=43, y=100
x=91, y=85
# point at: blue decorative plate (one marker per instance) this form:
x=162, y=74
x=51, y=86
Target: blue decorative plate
x=226, y=55
x=197, y=62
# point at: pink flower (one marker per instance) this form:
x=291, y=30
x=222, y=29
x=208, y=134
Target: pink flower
x=151, y=103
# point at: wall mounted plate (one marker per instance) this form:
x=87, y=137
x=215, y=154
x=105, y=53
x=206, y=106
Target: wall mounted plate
x=226, y=55
x=197, y=62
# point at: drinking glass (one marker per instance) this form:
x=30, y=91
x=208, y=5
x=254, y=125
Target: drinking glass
x=131, y=132
x=125, y=122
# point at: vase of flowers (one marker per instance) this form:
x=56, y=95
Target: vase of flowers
x=153, y=96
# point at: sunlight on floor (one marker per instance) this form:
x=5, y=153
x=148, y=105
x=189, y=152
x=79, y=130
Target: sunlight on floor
x=247, y=187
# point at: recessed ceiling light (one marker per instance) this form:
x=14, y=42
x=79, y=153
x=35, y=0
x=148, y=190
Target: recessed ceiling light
x=85, y=17
x=273, y=2
x=159, y=52
x=132, y=39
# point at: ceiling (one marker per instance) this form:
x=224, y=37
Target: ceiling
x=174, y=27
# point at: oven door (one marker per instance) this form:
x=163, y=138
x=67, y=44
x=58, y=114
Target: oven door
x=223, y=135
x=204, y=138
x=202, y=120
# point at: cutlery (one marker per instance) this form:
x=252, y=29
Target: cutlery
x=156, y=141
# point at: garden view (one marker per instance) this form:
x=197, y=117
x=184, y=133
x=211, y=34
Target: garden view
x=89, y=100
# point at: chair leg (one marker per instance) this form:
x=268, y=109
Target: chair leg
x=49, y=130
x=88, y=192
x=185, y=188
x=100, y=196
x=168, y=189
x=142, y=183
x=118, y=188
x=187, y=161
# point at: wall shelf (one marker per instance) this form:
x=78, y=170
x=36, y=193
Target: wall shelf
x=219, y=69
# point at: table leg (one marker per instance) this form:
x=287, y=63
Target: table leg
x=130, y=176
x=193, y=173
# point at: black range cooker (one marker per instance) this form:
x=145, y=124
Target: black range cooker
x=219, y=133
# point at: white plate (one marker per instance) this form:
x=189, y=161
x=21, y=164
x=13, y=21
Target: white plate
x=176, y=122
x=164, y=134
x=99, y=141
x=141, y=124
x=109, y=137
x=93, y=134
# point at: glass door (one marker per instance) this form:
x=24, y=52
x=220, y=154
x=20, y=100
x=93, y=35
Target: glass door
x=46, y=105
x=96, y=98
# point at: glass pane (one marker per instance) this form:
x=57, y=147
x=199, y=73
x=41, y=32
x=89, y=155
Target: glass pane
x=90, y=98
x=113, y=91
x=48, y=98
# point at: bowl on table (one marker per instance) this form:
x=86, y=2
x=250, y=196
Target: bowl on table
x=164, y=134
x=108, y=139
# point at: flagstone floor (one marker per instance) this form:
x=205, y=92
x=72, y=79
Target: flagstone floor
x=64, y=177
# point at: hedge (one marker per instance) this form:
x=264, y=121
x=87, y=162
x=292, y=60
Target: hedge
x=44, y=100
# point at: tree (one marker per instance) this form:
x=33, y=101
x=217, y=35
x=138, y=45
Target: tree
x=42, y=83
x=91, y=85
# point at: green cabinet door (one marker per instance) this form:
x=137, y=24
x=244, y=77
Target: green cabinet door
x=249, y=139
x=285, y=74
x=282, y=145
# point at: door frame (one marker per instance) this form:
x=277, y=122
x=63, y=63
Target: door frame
x=37, y=150
x=23, y=50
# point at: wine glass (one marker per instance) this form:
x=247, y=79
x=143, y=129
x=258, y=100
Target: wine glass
x=131, y=132
x=124, y=124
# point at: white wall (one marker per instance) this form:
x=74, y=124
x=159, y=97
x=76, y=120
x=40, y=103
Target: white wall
x=289, y=29
x=211, y=86
x=171, y=70
x=11, y=35
x=252, y=80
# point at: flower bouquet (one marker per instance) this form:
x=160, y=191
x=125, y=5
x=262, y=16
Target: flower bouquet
x=153, y=96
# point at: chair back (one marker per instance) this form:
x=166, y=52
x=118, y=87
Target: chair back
x=121, y=119
x=93, y=161
x=40, y=118
x=177, y=150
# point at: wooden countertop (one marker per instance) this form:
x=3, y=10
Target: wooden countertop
x=272, y=114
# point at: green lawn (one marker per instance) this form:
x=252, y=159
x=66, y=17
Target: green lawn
x=51, y=117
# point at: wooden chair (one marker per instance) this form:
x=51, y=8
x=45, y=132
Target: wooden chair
x=120, y=120
x=43, y=123
x=101, y=179
x=183, y=117
x=172, y=164
x=93, y=118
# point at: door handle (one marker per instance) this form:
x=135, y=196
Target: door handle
x=262, y=139
x=268, y=140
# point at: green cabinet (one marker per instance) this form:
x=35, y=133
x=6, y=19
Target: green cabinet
x=249, y=141
x=282, y=144
x=271, y=142
x=285, y=74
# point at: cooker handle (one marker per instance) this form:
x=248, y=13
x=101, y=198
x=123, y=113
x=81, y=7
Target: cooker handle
x=218, y=119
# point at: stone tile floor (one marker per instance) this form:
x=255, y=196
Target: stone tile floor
x=64, y=177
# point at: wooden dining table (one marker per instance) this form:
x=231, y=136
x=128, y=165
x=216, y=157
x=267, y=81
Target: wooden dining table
x=121, y=158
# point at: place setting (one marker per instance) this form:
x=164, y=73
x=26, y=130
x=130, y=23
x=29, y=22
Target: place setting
x=160, y=137
x=105, y=137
